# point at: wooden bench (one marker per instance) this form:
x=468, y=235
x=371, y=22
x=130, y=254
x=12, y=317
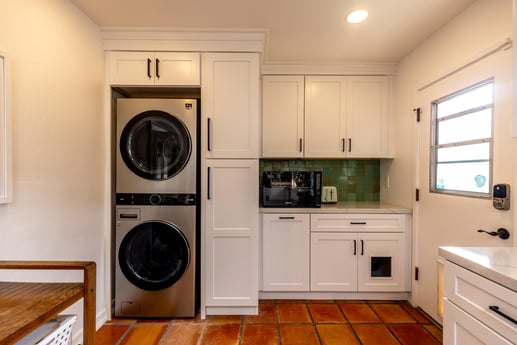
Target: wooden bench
x=26, y=306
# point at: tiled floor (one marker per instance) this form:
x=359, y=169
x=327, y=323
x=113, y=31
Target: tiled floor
x=285, y=322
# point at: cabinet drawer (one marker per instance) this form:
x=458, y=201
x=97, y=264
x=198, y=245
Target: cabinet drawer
x=358, y=222
x=478, y=296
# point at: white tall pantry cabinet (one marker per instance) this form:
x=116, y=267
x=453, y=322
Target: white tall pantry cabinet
x=229, y=182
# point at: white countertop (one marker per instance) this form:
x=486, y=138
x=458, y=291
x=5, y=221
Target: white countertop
x=498, y=264
x=343, y=207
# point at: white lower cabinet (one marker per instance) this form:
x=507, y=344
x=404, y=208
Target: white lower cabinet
x=231, y=234
x=358, y=262
x=285, y=252
x=477, y=310
x=359, y=252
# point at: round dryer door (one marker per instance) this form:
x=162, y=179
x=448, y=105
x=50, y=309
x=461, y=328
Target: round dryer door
x=155, y=145
x=154, y=255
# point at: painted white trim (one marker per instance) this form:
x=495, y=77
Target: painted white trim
x=313, y=295
x=330, y=69
x=6, y=172
x=180, y=39
x=231, y=311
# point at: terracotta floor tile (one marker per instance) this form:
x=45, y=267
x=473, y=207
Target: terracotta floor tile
x=328, y=313
x=297, y=301
x=183, y=334
x=298, y=334
x=336, y=334
x=226, y=319
x=221, y=335
x=264, y=334
x=412, y=335
x=320, y=301
x=392, y=313
x=144, y=334
x=109, y=334
x=359, y=313
x=266, y=314
x=292, y=312
x=196, y=319
x=417, y=314
x=435, y=331
x=374, y=334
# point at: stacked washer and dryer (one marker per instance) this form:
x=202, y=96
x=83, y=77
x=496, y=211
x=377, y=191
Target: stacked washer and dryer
x=156, y=203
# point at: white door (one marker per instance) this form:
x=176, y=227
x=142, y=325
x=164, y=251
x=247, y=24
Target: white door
x=446, y=220
x=230, y=110
x=333, y=261
x=285, y=248
x=231, y=232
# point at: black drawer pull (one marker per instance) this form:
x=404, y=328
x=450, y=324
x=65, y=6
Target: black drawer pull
x=286, y=217
x=496, y=310
x=358, y=223
x=355, y=247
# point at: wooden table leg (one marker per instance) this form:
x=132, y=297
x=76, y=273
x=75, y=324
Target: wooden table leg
x=89, y=308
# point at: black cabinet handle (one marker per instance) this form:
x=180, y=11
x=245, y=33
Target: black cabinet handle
x=284, y=217
x=157, y=68
x=355, y=247
x=208, y=139
x=496, y=310
x=149, y=68
x=362, y=247
x=208, y=184
x=301, y=145
x=358, y=223
x=343, y=144
x=349, y=144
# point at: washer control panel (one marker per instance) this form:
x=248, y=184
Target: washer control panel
x=155, y=199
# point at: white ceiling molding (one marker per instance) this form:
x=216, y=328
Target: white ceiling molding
x=184, y=39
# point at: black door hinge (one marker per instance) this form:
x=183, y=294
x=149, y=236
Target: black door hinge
x=416, y=273
x=417, y=194
x=417, y=110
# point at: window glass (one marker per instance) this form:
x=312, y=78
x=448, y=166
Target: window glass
x=461, y=148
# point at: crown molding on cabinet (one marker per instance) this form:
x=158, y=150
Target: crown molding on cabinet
x=330, y=69
x=184, y=39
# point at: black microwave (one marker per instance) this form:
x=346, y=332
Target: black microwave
x=291, y=189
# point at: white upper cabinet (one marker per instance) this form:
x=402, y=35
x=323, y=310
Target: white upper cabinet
x=230, y=112
x=282, y=116
x=339, y=116
x=154, y=68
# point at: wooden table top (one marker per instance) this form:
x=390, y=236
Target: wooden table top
x=26, y=306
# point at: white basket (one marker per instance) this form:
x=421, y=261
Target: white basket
x=57, y=331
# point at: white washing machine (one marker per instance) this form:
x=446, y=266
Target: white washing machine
x=156, y=145
x=155, y=257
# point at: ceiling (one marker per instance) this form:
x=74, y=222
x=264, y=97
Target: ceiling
x=298, y=31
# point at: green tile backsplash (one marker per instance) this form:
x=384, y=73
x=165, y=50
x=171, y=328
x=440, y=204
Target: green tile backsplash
x=356, y=180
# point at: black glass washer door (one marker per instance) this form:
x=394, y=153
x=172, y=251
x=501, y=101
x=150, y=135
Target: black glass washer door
x=154, y=255
x=155, y=145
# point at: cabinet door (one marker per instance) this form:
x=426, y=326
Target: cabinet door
x=381, y=262
x=460, y=328
x=230, y=93
x=368, y=110
x=285, y=247
x=182, y=69
x=231, y=230
x=282, y=116
x=131, y=68
x=325, y=116
x=333, y=262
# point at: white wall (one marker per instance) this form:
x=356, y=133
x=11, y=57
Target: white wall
x=59, y=148
x=481, y=25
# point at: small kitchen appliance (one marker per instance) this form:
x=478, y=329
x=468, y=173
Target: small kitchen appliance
x=291, y=189
x=329, y=195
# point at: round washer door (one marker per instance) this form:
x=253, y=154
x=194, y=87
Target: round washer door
x=154, y=255
x=155, y=145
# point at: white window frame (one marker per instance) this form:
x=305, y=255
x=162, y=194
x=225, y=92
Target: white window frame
x=5, y=132
x=435, y=146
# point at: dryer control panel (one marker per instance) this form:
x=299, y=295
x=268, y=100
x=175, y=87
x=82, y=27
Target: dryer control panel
x=155, y=199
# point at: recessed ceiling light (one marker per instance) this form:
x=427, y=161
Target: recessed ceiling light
x=357, y=16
